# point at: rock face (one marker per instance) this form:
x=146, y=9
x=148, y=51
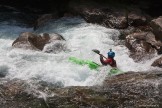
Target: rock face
x=94, y=13
x=141, y=45
x=124, y=90
x=157, y=63
x=156, y=25
x=14, y=94
x=33, y=41
x=135, y=89
x=107, y=15
x=131, y=89
x=136, y=18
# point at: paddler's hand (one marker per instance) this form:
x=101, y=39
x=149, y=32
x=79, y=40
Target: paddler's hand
x=101, y=56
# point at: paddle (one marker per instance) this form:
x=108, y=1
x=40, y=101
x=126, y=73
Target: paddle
x=98, y=52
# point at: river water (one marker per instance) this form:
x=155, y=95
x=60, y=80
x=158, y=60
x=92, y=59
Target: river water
x=81, y=38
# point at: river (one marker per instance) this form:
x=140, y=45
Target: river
x=81, y=38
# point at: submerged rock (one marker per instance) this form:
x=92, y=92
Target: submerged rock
x=55, y=47
x=28, y=40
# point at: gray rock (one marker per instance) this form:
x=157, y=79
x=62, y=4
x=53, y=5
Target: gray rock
x=103, y=15
x=157, y=62
x=17, y=94
x=131, y=89
x=136, y=18
x=109, y=15
x=28, y=40
x=156, y=25
x=142, y=45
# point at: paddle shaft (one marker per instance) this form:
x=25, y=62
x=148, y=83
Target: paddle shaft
x=103, y=56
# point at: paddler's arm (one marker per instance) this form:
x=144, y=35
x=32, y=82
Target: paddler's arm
x=102, y=60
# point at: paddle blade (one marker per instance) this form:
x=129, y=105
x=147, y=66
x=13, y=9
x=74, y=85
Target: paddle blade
x=96, y=51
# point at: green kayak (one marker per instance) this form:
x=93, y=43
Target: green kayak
x=93, y=65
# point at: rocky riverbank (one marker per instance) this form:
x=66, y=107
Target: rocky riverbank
x=131, y=89
x=140, y=27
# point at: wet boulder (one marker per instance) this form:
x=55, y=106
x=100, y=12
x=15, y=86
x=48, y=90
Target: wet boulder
x=108, y=14
x=92, y=12
x=28, y=40
x=157, y=62
x=56, y=44
x=124, y=90
x=138, y=89
x=137, y=18
x=18, y=94
x=156, y=25
x=142, y=45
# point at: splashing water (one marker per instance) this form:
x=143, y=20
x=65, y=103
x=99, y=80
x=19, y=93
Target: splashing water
x=81, y=38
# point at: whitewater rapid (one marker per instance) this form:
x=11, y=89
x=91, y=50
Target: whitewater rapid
x=81, y=38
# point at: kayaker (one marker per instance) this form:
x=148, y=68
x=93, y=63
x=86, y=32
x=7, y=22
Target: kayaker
x=110, y=60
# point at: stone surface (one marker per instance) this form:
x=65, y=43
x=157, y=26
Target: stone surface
x=28, y=40
x=156, y=25
x=131, y=89
x=142, y=45
x=17, y=94
x=157, y=62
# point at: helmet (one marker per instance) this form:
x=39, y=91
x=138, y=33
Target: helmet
x=111, y=54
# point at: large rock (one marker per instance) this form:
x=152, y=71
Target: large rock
x=156, y=25
x=28, y=40
x=94, y=13
x=129, y=90
x=157, y=62
x=141, y=45
x=18, y=94
x=137, y=18
x=108, y=15
x=137, y=89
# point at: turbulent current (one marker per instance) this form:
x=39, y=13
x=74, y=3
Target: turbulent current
x=81, y=38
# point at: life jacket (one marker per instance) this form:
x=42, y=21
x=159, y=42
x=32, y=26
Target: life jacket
x=113, y=63
x=108, y=61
